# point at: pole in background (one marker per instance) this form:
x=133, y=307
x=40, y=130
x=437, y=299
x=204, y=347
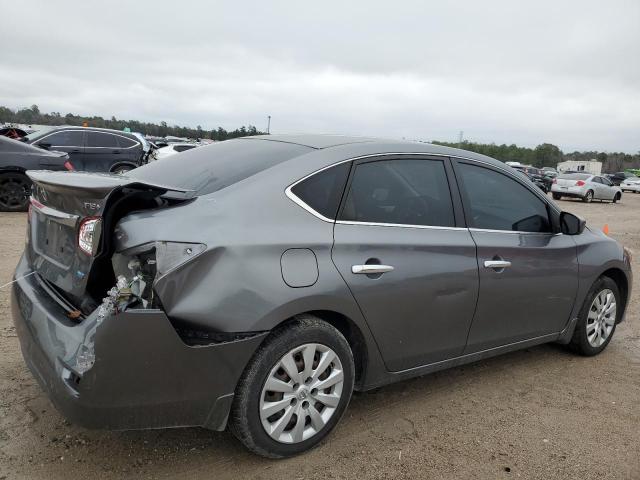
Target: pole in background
x=460, y=137
x=268, y=124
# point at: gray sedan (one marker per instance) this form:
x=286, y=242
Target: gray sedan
x=586, y=186
x=256, y=283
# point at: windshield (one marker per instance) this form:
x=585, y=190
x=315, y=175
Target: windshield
x=574, y=176
x=213, y=167
x=37, y=134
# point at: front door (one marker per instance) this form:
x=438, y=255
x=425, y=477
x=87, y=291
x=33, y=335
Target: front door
x=528, y=273
x=69, y=141
x=411, y=269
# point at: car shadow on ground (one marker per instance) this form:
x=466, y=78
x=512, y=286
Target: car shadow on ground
x=172, y=447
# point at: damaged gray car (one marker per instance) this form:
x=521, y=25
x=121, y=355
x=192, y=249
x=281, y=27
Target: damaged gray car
x=256, y=283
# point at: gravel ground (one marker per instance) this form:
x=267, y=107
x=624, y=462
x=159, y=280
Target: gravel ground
x=538, y=413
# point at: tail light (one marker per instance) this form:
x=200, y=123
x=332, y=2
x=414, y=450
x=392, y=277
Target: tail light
x=579, y=183
x=69, y=166
x=89, y=235
x=554, y=181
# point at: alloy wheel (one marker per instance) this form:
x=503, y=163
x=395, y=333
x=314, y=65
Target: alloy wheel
x=14, y=192
x=601, y=318
x=301, y=393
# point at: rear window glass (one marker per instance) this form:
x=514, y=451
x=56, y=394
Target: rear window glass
x=214, y=167
x=323, y=191
x=574, y=176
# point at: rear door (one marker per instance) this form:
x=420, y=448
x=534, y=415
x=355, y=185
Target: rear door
x=528, y=273
x=400, y=245
x=102, y=151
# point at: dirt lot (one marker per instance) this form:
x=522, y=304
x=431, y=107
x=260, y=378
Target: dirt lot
x=538, y=413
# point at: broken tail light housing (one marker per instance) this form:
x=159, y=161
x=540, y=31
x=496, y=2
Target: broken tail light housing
x=89, y=235
x=69, y=166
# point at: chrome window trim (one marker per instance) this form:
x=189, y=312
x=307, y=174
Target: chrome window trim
x=401, y=225
x=298, y=201
x=136, y=142
x=517, y=232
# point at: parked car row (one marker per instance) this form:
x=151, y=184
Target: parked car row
x=71, y=148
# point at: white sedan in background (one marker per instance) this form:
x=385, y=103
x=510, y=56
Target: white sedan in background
x=172, y=149
x=631, y=184
x=585, y=186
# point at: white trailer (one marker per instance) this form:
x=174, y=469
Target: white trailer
x=589, y=166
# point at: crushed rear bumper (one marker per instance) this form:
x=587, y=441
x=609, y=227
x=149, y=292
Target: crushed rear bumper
x=144, y=375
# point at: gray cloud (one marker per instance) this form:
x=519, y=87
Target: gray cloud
x=562, y=72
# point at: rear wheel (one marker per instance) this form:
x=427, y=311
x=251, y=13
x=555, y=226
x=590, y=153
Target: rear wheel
x=556, y=196
x=598, y=318
x=15, y=190
x=122, y=169
x=617, y=197
x=294, y=390
x=588, y=197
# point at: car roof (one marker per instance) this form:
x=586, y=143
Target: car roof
x=93, y=129
x=373, y=145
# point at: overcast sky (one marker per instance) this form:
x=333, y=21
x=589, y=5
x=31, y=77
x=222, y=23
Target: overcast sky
x=565, y=72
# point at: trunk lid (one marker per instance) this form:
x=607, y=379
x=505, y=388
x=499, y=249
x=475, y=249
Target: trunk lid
x=60, y=202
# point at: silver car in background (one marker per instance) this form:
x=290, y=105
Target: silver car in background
x=631, y=184
x=586, y=186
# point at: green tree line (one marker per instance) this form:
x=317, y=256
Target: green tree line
x=33, y=116
x=548, y=155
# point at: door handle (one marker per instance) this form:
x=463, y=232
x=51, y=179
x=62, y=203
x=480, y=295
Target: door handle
x=496, y=264
x=370, y=269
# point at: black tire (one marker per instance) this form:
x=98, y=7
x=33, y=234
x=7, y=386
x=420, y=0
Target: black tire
x=244, y=419
x=617, y=198
x=579, y=342
x=556, y=196
x=15, y=190
x=122, y=169
x=588, y=197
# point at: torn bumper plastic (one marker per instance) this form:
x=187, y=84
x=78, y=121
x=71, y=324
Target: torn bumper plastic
x=140, y=374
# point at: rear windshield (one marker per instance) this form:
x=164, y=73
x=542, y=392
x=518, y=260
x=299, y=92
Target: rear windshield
x=213, y=167
x=574, y=176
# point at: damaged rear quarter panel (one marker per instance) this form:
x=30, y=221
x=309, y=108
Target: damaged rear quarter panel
x=236, y=285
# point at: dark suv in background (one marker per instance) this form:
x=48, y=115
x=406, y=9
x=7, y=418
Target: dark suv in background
x=92, y=149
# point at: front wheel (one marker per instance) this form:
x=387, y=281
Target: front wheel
x=588, y=197
x=598, y=318
x=556, y=196
x=294, y=390
x=617, y=197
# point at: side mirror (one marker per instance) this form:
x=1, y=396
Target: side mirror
x=571, y=224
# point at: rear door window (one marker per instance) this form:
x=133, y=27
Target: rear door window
x=494, y=201
x=101, y=140
x=402, y=192
x=124, y=142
